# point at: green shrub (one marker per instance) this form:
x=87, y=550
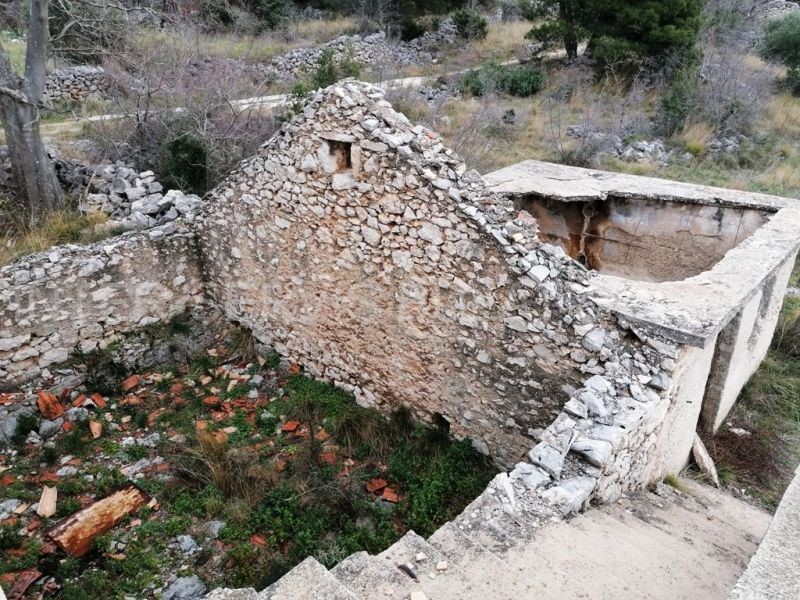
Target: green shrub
x=411, y=29
x=270, y=13
x=326, y=73
x=329, y=71
x=217, y=13
x=184, y=163
x=681, y=100
x=514, y=81
x=470, y=25
x=782, y=40
x=792, y=82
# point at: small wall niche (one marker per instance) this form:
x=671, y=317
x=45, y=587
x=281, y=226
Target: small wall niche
x=341, y=155
x=336, y=153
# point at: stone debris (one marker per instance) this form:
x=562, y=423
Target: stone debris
x=131, y=199
x=185, y=588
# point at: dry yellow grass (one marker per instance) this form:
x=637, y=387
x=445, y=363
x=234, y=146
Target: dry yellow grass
x=14, y=49
x=695, y=137
x=261, y=47
x=62, y=227
x=784, y=177
x=783, y=116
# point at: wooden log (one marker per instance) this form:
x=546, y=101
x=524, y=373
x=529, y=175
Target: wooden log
x=74, y=535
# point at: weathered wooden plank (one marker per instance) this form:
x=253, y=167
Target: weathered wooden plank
x=74, y=535
x=21, y=584
x=47, y=502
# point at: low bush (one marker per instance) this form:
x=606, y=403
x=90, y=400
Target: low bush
x=411, y=29
x=782, y=42
x=792, y=81
x=470, y=25
x=515, y=81
x=184, y=163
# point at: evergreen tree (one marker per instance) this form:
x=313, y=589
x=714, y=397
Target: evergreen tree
x=617, y=29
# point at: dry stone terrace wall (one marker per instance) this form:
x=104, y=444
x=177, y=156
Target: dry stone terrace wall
x=361, y=248
x=374, y=49
x=76, y=84
x=85, y=296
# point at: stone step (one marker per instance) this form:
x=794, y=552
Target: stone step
x=487, y=523
x=232, y=594
x=370, y=577
x=309, y=580
x=412, y=549
x=457, y=547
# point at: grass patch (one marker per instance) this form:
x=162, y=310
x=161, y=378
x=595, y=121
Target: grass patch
x=675, y=482
x=62, y=227
x=295, y=469
x=14, y=49
x=758, y=447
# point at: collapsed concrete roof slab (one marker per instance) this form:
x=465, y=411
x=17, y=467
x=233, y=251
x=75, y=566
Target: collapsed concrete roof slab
x=692, y=310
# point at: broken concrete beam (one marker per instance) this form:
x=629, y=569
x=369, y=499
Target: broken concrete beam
x=75, y=534
x=704, y=460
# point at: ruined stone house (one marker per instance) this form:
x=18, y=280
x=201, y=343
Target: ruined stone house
x=360, y=247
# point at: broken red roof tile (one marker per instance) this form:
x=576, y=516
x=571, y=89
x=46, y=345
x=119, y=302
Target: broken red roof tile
x=49, y=406
x=211, y=400
x=130, y=383
x=96, y=427
x=258, y=540
x=99, y=401
x=290, y=426
x=67, y=426
x=390, y=495
x=329, y=458
x=130, y=400
x=376, y=485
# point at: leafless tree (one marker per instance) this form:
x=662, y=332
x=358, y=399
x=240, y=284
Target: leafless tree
x=21, y=98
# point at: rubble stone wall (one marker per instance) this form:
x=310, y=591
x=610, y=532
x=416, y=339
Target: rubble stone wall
x=361, y=248
x=374, y=49
x=84, y=296
x=76, y=84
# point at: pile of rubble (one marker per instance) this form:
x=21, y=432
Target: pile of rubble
x=655, y=151
x=132, y=200
x=374, y=49
x=76, y=84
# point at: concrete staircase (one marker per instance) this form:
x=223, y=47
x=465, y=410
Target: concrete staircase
x=668, y=545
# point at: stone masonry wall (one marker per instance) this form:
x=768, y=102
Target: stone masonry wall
x=374, y=49
x=76, y=84
x=84, y=296
x=361, y=248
